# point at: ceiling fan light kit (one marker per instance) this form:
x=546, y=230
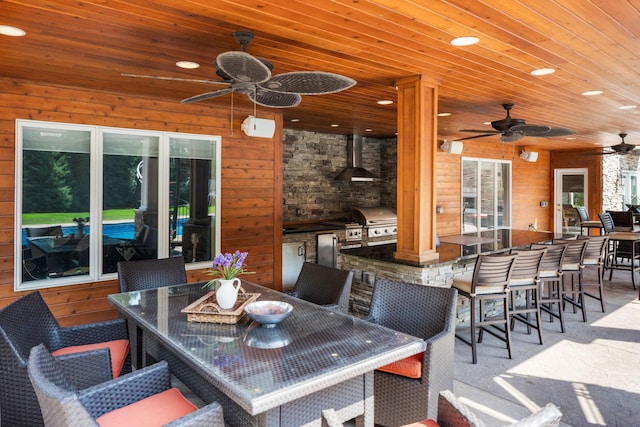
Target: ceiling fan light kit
x=452, y=147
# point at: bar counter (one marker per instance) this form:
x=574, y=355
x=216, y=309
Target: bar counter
x=460, y=247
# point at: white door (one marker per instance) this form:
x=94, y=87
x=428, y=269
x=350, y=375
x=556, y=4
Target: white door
x=571, y=188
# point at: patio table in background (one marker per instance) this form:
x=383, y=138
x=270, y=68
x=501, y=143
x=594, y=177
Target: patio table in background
x=283, y=376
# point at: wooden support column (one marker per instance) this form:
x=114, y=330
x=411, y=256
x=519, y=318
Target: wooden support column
x=417, y=145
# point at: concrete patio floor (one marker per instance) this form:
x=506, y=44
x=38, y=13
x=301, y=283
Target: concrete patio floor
x=591, y=372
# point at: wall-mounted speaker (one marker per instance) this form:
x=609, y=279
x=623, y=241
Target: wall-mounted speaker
x=529, y=156
x=262, y=128
x=453, y=147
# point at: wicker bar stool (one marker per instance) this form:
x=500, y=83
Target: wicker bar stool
x=489, y=281
x=526, y=278
x=551, y=278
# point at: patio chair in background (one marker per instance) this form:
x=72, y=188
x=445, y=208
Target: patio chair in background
x=586, y=222
x=143, y=394
x=53, y=230
x=488, y=282
x=623, y=221
x=151, y=273
x=322, y=285
x=406, y=391
x=97, y=348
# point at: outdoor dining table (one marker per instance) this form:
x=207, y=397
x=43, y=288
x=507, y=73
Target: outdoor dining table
x=282, y=376
x=633, y=238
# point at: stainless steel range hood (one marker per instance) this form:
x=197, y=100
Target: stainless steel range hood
x=354, y=170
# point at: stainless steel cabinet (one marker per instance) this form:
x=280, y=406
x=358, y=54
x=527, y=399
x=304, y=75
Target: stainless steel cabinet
x=327, y=249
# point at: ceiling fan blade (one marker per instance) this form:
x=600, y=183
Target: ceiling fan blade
x=476, y=136
x=268, y=98
x=530, y=130
x=554, y=132
x=178, y=79
x=309, y=83
x=242, y=67
x=485, y=131
x=207, y=95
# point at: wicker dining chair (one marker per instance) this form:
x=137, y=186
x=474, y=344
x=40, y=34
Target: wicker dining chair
x=143, y=394
x=408, y=395
x=151, y=273
x=322, y=285
x=489, y=281
x=28, y=322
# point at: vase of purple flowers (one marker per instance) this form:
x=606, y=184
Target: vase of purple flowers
x=227, y=267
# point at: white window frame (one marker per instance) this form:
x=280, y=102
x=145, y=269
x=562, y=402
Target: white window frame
x=96, y=200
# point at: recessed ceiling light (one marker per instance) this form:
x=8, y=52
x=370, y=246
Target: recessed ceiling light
x=11, y=31
x=385, y=102
x=368, y=130
x=335, y=125
x=628, y=107
x=571, y=137
x=543, y=71
x=592, y=92
x=188, y=64
x=295, y=120
x=465, y=41
x=444, y=114
x=486, y=123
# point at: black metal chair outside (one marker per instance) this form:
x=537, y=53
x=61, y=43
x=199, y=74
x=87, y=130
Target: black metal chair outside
x=52, y=230
x=489, y=281
x=322, y=285
x=28, y=322
x=586, y=222
x=151, y=273
x=67, y=404
x=526, y=278
x=428, y=312
x=623, y=220
x=551, y=280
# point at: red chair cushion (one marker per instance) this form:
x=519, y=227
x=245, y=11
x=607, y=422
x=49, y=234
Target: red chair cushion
x=410, y=367
x=425, y=423
x=154, y=411
x=118, y=349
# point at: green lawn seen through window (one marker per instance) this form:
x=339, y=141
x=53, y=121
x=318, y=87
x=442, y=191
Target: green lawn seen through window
x=67, y=217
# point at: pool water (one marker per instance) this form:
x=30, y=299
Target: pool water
x=119, y=230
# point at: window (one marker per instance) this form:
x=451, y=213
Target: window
x=630, y=189
x=486, y=195
x=88, y=197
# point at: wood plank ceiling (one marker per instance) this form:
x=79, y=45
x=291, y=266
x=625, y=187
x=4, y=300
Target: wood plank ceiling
x=592, y=45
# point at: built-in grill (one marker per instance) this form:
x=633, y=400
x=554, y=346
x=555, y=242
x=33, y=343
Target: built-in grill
x=380, y=224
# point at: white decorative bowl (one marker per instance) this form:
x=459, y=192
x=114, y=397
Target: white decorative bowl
x=268, y=313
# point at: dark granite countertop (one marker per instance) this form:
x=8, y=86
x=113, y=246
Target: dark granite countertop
x=313, y=226
x=460, y=247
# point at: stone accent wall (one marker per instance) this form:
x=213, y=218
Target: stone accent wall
x=612, y=168
x=310, y=163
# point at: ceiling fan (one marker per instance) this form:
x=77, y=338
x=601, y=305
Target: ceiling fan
x=623, y=148
x=251, y=76
x=513, y=129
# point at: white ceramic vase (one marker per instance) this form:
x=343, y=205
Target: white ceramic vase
x=227, y=293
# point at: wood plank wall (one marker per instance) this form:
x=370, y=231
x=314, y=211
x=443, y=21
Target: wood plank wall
x=251, y=180
x=532, y=182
